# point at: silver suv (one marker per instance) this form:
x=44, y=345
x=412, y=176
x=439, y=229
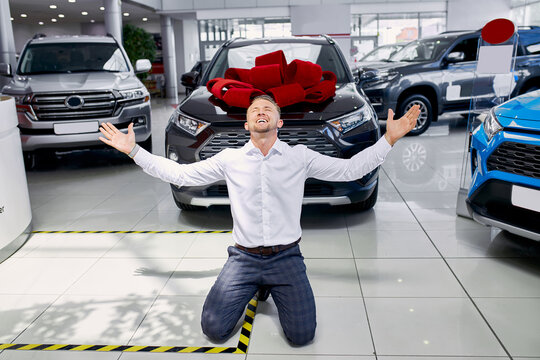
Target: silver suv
x=65, y=87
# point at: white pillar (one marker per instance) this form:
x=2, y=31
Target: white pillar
x=186, y=36
x=7, y=41
x=113, y=18
x=333, y=20
x=478, y=13
x=169, y=57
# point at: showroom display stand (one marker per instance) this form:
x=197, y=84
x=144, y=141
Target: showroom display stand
x=15, y=211
x=495, y=65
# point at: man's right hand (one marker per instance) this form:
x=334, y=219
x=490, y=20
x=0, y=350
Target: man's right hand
x=117, y=139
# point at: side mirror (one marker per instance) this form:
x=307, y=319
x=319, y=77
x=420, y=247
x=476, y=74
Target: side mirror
x=190, y=79
x=5, y=69
x=142, y=66
x=455, y=57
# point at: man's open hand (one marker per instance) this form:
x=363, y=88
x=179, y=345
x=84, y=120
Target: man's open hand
x=396, y=129
x=116, y=138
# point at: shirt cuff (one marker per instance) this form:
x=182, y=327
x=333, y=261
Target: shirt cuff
x=142, y=157
x=384, y=144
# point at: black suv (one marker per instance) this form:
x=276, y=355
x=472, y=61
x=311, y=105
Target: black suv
x=203, y=125
x=437, y=73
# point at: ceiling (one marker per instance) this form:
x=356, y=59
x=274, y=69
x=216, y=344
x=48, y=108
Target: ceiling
x=39, y=10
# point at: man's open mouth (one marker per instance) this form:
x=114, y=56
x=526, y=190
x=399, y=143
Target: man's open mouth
x=261, y=121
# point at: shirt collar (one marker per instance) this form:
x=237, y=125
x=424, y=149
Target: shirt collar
x=250, y=148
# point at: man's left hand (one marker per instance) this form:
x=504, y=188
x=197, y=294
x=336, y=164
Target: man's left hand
x=396, y=129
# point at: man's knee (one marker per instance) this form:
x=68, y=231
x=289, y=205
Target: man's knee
x=213, y=327
x=301, y=335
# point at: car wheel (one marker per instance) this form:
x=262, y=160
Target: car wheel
x=368, y=203
x=147, y=144
x=29, y=158
x=187, y=207
x=426, y=112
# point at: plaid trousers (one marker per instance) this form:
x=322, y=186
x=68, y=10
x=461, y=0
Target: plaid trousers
x=283, y=273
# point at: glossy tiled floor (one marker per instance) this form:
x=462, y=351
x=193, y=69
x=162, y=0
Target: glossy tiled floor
x=405, y=280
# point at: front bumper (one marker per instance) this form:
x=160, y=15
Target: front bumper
x=319, y=137
x=497, y=168
x=40, y=134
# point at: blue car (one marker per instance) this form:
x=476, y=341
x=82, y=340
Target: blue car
x=505, y=163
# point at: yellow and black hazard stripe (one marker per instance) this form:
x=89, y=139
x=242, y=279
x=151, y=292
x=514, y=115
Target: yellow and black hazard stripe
x=131, y=232
x=241, y=348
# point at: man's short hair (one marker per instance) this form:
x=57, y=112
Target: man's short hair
x=267, y=98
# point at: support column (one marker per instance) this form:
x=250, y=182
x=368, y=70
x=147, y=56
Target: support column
x=169, y=57
x=186, y=34
x=113, y=18
x=7, y=41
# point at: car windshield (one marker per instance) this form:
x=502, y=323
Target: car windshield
x=381, y=53
x=72, y=57
x=244, y=57
x=422, y=50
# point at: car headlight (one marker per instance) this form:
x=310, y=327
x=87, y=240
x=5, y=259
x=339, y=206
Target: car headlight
x=21, y=99
x=491, y=125
x=387, y=76
x=351, y=121
x=135, y=94
x=190, y=125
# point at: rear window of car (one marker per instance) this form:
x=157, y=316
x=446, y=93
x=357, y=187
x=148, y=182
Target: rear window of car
x=244, y=57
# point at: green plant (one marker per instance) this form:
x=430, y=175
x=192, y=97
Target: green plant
x=139, y=44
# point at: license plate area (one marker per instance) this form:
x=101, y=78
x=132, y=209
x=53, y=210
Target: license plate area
x=76, y=127
x=526, y=198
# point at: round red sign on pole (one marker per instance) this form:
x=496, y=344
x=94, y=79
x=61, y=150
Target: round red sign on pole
x=498, y=31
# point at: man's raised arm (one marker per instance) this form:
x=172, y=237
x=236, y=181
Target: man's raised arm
x=331, y=169
x=195, y=174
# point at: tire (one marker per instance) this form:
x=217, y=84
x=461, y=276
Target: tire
x=426, y=112
x=187, y=207
x=147, y=144
x=29, y=158
x=368, y=203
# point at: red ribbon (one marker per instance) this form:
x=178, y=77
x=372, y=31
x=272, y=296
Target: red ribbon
x=299, y=81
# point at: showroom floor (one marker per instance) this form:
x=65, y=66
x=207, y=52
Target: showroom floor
x=408, y=279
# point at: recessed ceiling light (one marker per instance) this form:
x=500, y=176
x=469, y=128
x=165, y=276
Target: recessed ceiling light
x=52, y=6
x=12, y=19
x=92, y=21
x=102, y=8
x=60, y=15
x=40, y=23
x=84, y=13
x=126, y=14
x=24, y=15
x=71, y=1
x=144, y=19
x=54, y=20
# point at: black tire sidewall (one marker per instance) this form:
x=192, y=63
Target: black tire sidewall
x=428, y=106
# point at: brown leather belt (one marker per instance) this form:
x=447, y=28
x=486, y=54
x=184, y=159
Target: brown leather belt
x=267, y=250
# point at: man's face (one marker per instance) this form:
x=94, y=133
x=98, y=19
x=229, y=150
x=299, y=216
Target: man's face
x=262, y=117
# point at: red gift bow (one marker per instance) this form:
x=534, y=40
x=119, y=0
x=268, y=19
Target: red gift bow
x=288, y=84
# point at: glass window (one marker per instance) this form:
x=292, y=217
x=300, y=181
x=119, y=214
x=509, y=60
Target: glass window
x=422, y=50
x=72, y=57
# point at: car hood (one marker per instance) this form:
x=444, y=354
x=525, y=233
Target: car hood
x=203, y=105
x=521, y=112
x=384, y=65
x=71, y=82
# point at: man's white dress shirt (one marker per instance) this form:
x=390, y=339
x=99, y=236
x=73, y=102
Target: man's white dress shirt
x=265, y=192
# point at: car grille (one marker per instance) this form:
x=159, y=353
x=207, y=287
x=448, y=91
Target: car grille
x=516, y=158
x=309, y=190
x=52, y=106
x=310, y=138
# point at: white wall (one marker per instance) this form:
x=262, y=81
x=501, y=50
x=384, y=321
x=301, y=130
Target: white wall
x=186, y=45
x=23, y=33
x=473, y=15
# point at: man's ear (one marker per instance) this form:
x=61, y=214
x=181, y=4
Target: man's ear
x=279, y=123
x=246, y=125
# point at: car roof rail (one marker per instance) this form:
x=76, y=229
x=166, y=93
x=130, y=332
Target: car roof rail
x=328, y=38
x=230, y=41
x=39, y=35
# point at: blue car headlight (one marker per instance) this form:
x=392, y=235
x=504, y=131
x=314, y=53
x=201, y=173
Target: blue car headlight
x=353, y=120
x=491, y=125
x=190, y=125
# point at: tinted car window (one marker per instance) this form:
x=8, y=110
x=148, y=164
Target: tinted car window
x=244, y=57
x=72, y=57
x=469, y=47
x=422, y=50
